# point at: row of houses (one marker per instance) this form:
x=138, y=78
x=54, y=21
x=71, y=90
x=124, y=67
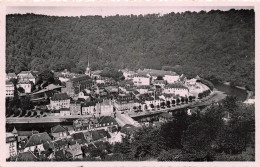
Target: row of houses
x=71, y=142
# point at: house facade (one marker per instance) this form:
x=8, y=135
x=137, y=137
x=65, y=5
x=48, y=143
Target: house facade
x=171, y=78
x=26, y=75
x=9, y=89
x=26, y=85
x=75, y=108
x=89, y=108
x=59, y=100
x=140, y=80
x=176, y=89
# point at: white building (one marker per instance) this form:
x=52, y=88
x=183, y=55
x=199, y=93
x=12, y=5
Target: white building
x=64, y=111
x=171, y=78
x=26, y=85
x=141, y=80
x=26, y=75
x=128, y=74
x=59, y=100
x=154, y=101
x=84, y=94
x=176, y=89
x=10, y=146
x=105, y=108
x=9, y=89
x=10, y=76
x=191, y=82
x=89, y=108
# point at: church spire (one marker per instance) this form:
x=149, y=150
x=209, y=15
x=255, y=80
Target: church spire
x=88, y=72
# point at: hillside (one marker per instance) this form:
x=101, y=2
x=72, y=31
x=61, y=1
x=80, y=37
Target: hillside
x=216, y=45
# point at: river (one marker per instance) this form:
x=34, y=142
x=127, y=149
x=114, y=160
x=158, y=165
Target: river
x=231, y=90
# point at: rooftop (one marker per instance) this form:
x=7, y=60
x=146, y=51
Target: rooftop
x=37, y=139
x=153, y=72
x=60, y=96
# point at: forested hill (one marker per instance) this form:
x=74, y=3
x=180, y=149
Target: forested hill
x=216, y=44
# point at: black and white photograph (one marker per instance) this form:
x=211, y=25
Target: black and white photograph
x=129, y=83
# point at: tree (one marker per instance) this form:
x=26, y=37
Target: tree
x=162, y=104
x=190, y=98
x=197, y=144
x=159, y=78
x=178, y=101
x=21, y=90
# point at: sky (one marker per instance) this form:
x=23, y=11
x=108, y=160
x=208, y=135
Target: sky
x=110, y=11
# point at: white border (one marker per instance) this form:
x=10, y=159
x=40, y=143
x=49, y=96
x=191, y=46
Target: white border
x=163, y=3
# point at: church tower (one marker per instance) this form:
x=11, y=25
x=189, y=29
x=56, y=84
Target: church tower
x=88, y=71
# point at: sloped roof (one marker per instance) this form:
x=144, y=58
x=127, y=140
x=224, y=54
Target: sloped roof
x=61, y=142
x=153, y=72
x=57, y=129
x=159, y=81
x=75, y=149
x=177, y=85
x=79, y=136
x=26, y=133
x=91, y=103
x=96, y=135
x=48, y=145
x=80, y=78
x=27, y=74
x=8, y=83
x=107, y=119
x=27, y=156
x=11, y=75
x=37, y=139
x=60, y=96
x=24, y=82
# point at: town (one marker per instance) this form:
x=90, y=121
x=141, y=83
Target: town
x=101, y=108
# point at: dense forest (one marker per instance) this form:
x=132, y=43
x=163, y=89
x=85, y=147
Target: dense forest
x=216, y=45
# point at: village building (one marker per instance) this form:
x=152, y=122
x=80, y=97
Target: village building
x=96, y=74
x=139, y=80
x=36, y=142
x=27, y=75
x=59, y=100
x=21, y=135
x=85, y=94
x=128, y=74
x=124, y=102
x=64, y=112
x=105, y=107
x=74, y=152
x=143, y=89
x=11, y=146
x=191, y=82
x=9, y=89
x=26, y=85
x=171, y=78
x=89, y=108
x=77, y=84
x=59, y=132
x=160, y=83
x=75, y=108
x=11, y=76
x=176, y=89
